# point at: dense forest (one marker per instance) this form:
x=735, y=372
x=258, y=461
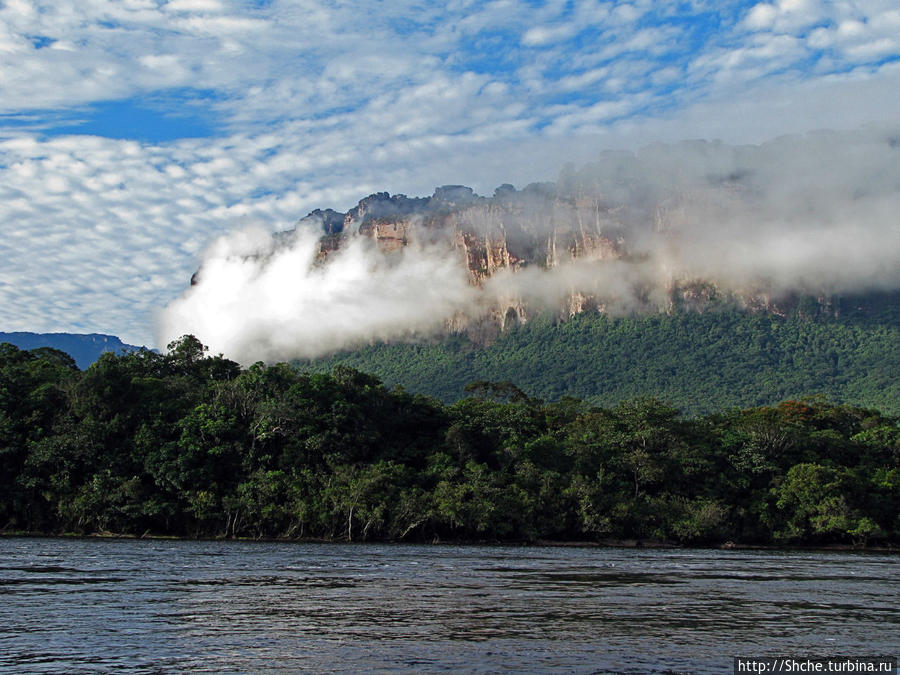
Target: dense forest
x=700, y=362
x=188, y=444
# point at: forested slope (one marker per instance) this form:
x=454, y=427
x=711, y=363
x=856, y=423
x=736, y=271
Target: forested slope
x=699, y=362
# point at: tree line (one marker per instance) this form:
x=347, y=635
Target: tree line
x=192, y=445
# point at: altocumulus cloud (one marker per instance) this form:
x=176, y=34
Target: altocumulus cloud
x=299, y=106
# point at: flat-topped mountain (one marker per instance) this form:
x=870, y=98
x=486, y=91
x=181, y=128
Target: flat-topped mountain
x=572, y=231
x=694, y=226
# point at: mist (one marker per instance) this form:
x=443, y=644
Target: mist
x=262, y=300
x=818, y=213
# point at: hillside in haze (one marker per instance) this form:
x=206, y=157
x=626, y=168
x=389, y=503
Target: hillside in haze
x=85, y=349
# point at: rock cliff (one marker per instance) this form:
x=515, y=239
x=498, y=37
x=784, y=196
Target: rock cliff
x=510, y=231
x=547, y=226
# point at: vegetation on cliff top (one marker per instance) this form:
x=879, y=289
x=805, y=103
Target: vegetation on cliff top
x=191, y=445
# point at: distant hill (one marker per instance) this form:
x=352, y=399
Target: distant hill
x=85, y=349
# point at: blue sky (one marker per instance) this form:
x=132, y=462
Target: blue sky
x=134, y=131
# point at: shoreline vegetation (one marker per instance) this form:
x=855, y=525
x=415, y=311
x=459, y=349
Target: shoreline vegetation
x=188, y=446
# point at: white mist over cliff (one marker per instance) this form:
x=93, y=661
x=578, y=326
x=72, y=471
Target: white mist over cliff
x=818, y=214
x=260, y=301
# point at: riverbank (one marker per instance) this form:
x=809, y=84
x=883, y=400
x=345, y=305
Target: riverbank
x=655, y=544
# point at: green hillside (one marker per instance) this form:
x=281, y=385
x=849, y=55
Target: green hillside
x=698, y=362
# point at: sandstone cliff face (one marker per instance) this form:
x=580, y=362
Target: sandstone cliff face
x=539, y=227
x=508, y=232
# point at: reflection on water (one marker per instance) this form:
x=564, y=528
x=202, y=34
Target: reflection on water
x=156, y=606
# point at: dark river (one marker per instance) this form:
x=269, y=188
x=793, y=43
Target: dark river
x=173, y=606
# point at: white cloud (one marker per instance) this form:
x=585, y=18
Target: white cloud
x=762, y=16
x=786, y=15
x=263, y=312
x=543, y=35
x=193, y=6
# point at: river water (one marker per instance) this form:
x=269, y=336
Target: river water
x=77, y=605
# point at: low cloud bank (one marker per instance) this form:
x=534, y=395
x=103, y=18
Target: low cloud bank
x=263, y=300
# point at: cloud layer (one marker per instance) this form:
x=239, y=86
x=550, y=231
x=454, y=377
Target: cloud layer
x=312, y=104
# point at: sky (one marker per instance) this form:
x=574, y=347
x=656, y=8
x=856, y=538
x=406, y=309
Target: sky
x=135, y=132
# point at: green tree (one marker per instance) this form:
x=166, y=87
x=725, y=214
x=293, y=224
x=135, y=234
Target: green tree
x=819, y=502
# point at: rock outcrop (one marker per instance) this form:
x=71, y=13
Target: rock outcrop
x=510, y=231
